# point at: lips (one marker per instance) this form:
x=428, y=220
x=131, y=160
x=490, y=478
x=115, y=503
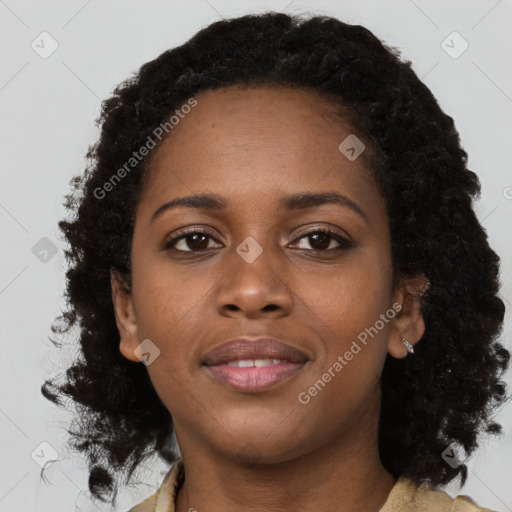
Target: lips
x=244, y=349
x=254, y=365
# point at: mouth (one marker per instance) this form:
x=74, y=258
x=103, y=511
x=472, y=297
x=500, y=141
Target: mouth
x=254, y=365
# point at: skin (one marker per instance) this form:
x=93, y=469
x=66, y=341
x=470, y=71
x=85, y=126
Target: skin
x=267, y=451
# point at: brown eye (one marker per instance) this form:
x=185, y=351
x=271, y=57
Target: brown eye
x=321, y=240
x=196, y=242
x=193, y=241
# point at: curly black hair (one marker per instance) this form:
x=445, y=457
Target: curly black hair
x=447, y=392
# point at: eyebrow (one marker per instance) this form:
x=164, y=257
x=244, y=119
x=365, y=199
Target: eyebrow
x=299, y=201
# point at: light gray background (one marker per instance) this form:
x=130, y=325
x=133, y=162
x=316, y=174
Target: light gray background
x=48, y=107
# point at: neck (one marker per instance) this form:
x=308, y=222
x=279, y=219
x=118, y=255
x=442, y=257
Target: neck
x=342, y=476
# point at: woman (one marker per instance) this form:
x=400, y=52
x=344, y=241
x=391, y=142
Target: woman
x=277, y=222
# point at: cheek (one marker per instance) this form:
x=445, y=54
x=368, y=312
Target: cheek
x=174, y=309
x=349, y=297
x=346, y=310
x=168, y=313
x=167, y=297
x=345, y=383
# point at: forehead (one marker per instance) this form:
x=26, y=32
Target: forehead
x=264, y=113
x=255, y=141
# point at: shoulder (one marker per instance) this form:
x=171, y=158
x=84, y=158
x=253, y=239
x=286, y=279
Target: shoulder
x=148, y=505
x=407, y=496
x=163, y=499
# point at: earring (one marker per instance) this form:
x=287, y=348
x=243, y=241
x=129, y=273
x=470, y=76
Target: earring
x=408, y=346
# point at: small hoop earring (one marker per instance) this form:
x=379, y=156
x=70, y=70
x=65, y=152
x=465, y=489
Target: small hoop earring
x=408, y=346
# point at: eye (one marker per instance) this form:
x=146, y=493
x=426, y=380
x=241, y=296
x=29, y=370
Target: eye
x=321, y=240
x=195, y=239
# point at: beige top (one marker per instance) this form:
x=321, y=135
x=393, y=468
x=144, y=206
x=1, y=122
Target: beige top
x=405, y=496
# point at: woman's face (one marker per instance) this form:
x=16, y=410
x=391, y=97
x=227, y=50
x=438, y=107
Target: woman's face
x=255, y=271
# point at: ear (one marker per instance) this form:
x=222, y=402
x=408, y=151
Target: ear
x=408, y=323
x=125, y=316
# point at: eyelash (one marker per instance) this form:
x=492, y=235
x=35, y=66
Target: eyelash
x=345, y=244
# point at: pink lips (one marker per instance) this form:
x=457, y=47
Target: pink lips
x=254, y=379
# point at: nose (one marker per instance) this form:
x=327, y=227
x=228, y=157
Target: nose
x=254, y=289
